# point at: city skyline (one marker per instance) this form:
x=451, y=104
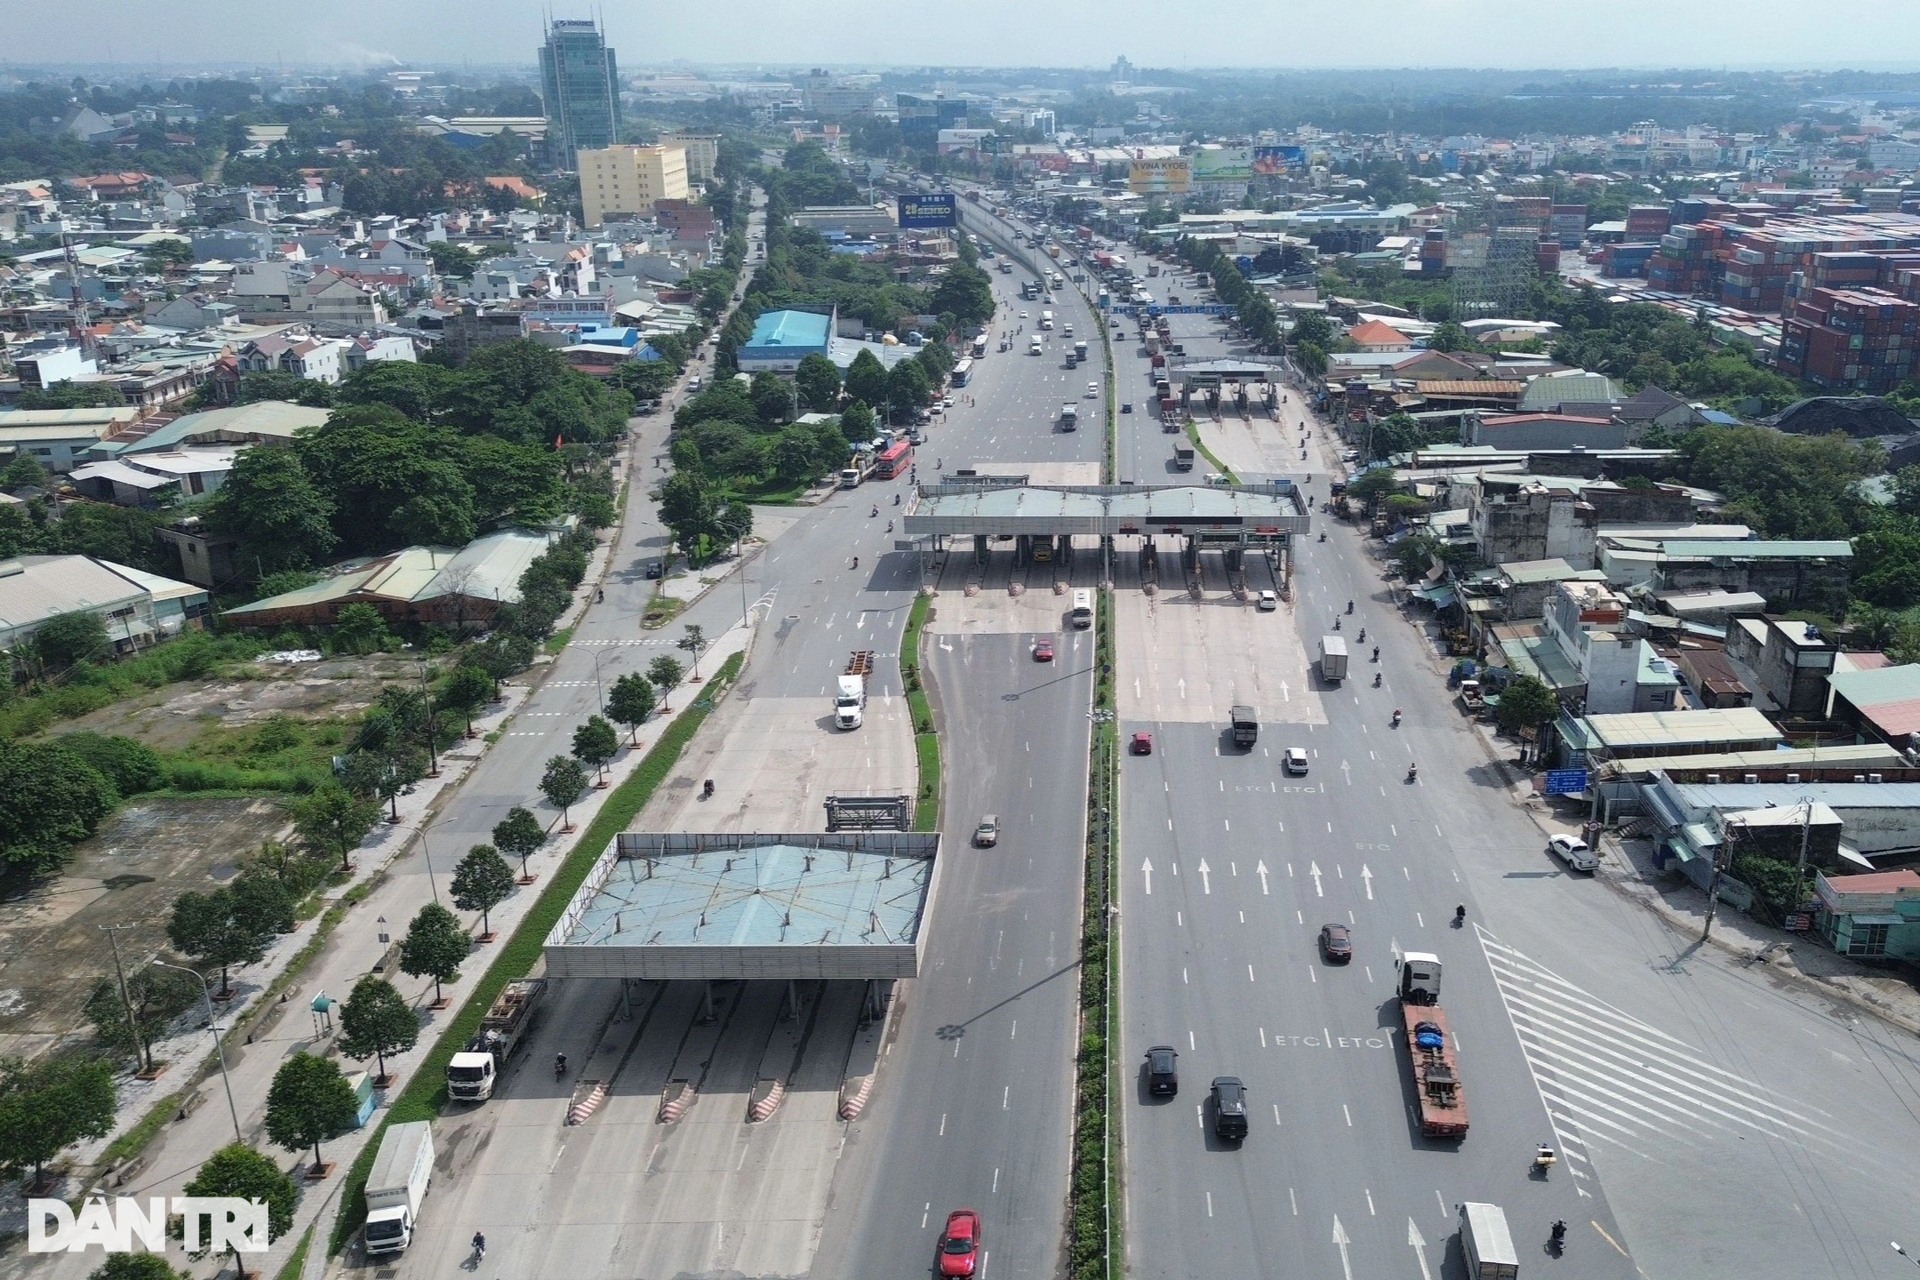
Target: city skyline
x=1315, y=34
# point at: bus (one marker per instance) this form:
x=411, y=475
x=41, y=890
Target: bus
x=897, y=457
x=961, y=372
x=980, y=346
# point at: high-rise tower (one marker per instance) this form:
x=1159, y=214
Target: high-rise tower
x=582, y=88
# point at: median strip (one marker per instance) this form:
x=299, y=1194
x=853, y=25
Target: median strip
x=1092, y=1232
x=425, y=1094
x=926, y=742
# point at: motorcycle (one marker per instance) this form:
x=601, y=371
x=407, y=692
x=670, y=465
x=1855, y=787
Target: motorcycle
x=856, y=562
x=1363, y=636
x=1544, y=1159
x=559, y=1065
x=706, y=790
x=1557, y=1237
x=1376, y=679
x=1336, y=624
x=599, y=594
x=1459, y=917
x=874, y=512
x=1323, y=535
x=1349, y=606
x=1413, y=773
x=1396, y=717
x=479, y=1248
x=896, y=499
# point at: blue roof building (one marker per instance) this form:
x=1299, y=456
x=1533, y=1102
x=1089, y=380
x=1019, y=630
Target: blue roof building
x=781, y=339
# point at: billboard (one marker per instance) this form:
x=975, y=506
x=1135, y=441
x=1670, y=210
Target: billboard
x=1158, y=177
x=1222, y=164
x=1272, y=161
x=919, y=212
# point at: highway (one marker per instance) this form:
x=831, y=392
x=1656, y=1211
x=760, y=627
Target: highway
x=1687, y=1148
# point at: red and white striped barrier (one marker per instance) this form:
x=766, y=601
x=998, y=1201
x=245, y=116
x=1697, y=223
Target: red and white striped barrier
x=585, y=1105
x=675, y=1100
x=768, y=1103
x=851, y=1105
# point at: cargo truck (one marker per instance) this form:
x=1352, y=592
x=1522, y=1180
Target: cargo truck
x=1436, y=1077
x=396, y=1185
x=1033, y=345
x=1246, y=727
x=1333, y=659
x=1486, y=1243
x=858, y=468
x=473, y=1072
x=1183, y=457
x=1069, y=416
x=1080, y=350
x=850, y=698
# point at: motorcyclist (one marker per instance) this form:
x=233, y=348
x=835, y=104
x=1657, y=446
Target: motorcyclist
x=896, y=499
x=1413, y=772
x=1349, y=606
x=1460, y=915
x=889, y=526
x=1396, y=717
x=1336, y=624
x=856, y=562
x=480, y=1244
x=1558, y=1231
x=1363, y=635
x=1376, y=679
x=559, y=1064
x=1376, y=649
x=875, y=511
x=1323, y=535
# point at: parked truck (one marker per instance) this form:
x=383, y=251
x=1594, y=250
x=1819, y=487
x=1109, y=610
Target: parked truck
x=1246, y=726
x=1436, y=1077
x=1183, y=457
x=858, y=468
x=850, y=700
x=396, y=1185
x=1333, y=659
x=1486, y=1243
x=473, y=1072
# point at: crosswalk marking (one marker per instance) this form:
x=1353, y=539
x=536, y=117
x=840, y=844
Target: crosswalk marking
x=1604, y=1075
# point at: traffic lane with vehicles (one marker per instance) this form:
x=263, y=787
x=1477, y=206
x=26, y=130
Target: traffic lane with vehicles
x=1222, y=958
x=1696, y=1017
x=974, y=1102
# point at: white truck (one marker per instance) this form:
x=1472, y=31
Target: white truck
x=396, y=1185
x=1333, y=659
x=473, y=1072
x=1046, y=319
x=858, y=468
x=1033, y=345
x=1487, y=1243
x=1069, y=416
x=850, y=701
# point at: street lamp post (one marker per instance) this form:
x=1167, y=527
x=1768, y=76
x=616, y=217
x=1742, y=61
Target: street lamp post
x=599, y=695
x=427, y=850
x=220, y=1051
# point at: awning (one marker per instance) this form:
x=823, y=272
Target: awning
x=1887, y=920
x=1700, y=836
x=1439, y=597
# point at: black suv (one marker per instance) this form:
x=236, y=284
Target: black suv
x=1229, y=1108
x=1161, y=1076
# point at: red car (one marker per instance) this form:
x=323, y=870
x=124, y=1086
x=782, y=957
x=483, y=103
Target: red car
x=960, y=1243
x=1142, y=744
x=1043, y=650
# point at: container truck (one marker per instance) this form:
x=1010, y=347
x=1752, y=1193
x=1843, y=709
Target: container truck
x=1486, y=1243
x=396, y=1185
x=1333, y=659
x=1246, y=727
x=473, y=1072
x=1436, y=1076
x=850, y=699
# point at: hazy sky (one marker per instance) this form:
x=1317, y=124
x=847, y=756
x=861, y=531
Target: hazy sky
x=1296, y=33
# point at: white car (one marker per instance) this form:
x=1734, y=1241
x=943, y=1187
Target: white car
x=1296, y=760
x=946, y=402
x=1023, y=315
x=1268, y=601
x=1573, y=851
x=1093, y=391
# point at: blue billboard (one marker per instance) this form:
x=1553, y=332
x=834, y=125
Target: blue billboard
x=936, y=209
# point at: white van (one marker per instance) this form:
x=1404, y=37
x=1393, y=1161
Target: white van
x=1081, y=615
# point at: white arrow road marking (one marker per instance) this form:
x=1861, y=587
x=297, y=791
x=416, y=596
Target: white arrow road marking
x=1367, y=876
x=1314, y=871
x=1206, y=886
x=1146, y=869
x=1261, y=871
x=1341, y=1241
x=1418, y=1243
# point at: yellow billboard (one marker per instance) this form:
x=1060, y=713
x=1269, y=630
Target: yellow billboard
x=1166, y=177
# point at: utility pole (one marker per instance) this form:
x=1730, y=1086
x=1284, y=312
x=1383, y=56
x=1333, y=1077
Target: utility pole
x=1713, y=886
x=1806, y=836
x=126, y=1000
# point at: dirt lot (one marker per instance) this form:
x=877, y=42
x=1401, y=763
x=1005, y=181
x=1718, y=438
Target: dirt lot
x=171, y=719
x=146, y=855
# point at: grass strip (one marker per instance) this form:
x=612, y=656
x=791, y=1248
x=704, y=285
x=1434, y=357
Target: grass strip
x=558, y=640
x=1193, y=434
x=425, y=1093
x=926, y=742
x=298, y=1262
x=1091, y=1231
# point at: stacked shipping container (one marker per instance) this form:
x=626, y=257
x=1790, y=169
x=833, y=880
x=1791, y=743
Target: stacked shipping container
x=1851, y=339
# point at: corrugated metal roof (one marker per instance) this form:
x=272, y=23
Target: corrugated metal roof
x=1878, y=687
x=1468, y=387
x=1654, y=728
x=1781, y=549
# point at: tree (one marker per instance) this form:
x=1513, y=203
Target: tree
x=483, y=879
x=239, y=1171
x=49, y=1104
x=49, y=798
x=73, y=395
x=309, y=1102
x=358, y=628
x=272, y=508
x=138, y=1266
x=867, y=379
x=1526, y=703
x=1314, y=328
x=332, y=820
x=687, y=508
x=818, y=382
x=562, y=784
x=375, y=1021
x=595, y=743
x=264, y=895
x=631, y=702
x=665, y=672
x=23, y=472
x=856, y=422
x=71, y=638
x=215, y=929
x=435, y=945
x=519, y=833
x=158, y=997
x=773, y=397
x=907, y=385
x=1451, y=337
x=388, y=772
x=693, y=642
x=965, y=292
x=467, y=690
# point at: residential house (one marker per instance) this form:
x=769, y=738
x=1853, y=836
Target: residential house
x=1882, y=703
x=155, y=479
x=1786, y=662
x=1619, y=672
x=1791, y=573
x=1873, y=916
x=332, y=297
x=364, y=349
x=59, y=439
x=318, y=359
x=1375, y=335
x=1522, y=518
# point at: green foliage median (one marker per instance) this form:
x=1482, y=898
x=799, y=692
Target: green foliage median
x=1091, y=1233
x=1193, y=434
x=926, y=743
x=425, y=1093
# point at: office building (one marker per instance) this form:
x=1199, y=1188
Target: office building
x=703, y=152
x=582, y=88
x=630, y=179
